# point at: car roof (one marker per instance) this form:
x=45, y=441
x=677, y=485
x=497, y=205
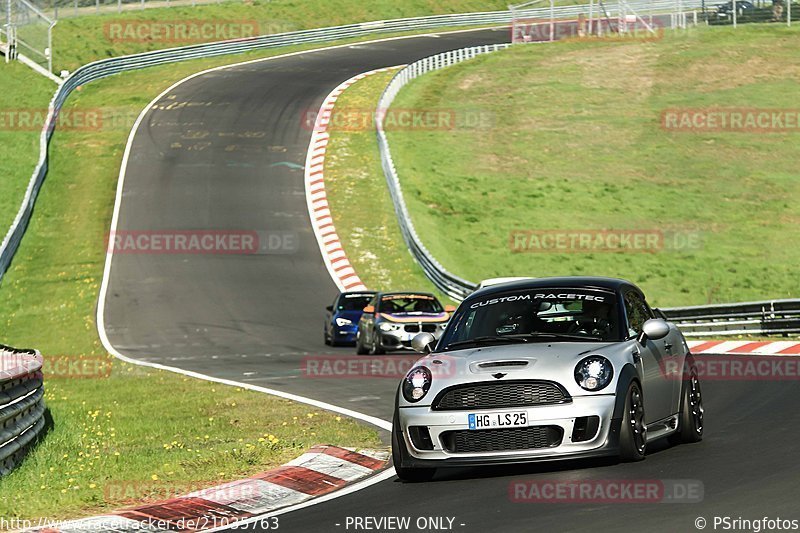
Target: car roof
x=420, y=293
x=583, y=282
x=358, y=292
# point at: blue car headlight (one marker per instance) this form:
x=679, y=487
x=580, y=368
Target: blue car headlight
x=343, y=322
x=594, y=373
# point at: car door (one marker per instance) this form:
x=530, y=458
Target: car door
x=673, y=353
x=657, y=388
x=329, y=313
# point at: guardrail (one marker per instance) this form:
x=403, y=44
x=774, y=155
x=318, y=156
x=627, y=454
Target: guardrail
x=775, y=317
x=450, y=284
x=769, y=317
x=107, y=67
x=22, y=405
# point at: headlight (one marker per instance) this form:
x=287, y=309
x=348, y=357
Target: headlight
x=594, y=373
x=343, y=322
x=417, y=383
x=386, y=326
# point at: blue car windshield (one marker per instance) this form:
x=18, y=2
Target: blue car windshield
x=353, y=302
x=546, y=314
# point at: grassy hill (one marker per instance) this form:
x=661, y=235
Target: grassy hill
x=573, y=139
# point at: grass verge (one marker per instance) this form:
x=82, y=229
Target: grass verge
x=86, y=38
x=24, y=95
x=126, y=425
x=571, y=139
x=360, y=203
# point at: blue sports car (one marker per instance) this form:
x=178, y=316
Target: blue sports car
x=341, y=319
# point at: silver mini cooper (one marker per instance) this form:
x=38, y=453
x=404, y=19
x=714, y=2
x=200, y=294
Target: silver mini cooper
x=544, y=369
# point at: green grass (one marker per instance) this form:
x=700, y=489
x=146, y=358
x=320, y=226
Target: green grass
x=156, y=421
x=574, y=142
x=82, y=39
x=360, y=202
x=23, y=94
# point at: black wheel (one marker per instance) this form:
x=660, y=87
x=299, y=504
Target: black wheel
x=360, y=348
x=328, y=341
x=633, y=435
x=375, y=348
x=409, y=475
x=690, y=420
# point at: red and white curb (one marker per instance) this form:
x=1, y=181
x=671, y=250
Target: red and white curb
x=330, y=245
x=321, y=470
x=745, y=347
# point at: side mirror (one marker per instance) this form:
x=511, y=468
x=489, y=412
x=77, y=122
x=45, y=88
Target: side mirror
x=369, y=309
x=654, y=329
x=449, y=308
x=329, y=309
x=423, y=342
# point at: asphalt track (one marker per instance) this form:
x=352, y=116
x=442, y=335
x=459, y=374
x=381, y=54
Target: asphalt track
x=223, y=152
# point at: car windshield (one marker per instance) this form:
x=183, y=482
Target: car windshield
x=353, y=302
x=535, y=315
x=409, y=304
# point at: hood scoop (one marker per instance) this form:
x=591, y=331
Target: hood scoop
x=493, y=366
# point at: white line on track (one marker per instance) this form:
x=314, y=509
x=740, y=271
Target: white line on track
x=101, y=330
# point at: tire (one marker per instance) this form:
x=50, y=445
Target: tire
x=328, y=341
x=375, y=349
x=691, y=418
x=407, y=475
x=633, y=434
x=360, y=348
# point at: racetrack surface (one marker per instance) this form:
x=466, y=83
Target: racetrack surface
x=223, y=151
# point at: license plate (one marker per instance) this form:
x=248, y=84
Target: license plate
x=509, y=419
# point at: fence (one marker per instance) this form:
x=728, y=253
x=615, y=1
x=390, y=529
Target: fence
x=30, y=31
x=772, y=317
x=734, y=12
x=78, y=8
x=22, y=407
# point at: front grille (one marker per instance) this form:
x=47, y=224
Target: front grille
x=415, y=328
x=502, y=440
x=500, y=394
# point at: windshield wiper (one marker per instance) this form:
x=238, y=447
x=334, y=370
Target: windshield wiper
x=546, y=336
x=477, y=341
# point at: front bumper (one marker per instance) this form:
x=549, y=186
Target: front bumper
x=605, y=441
x=401, y=339
x=345, y=334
